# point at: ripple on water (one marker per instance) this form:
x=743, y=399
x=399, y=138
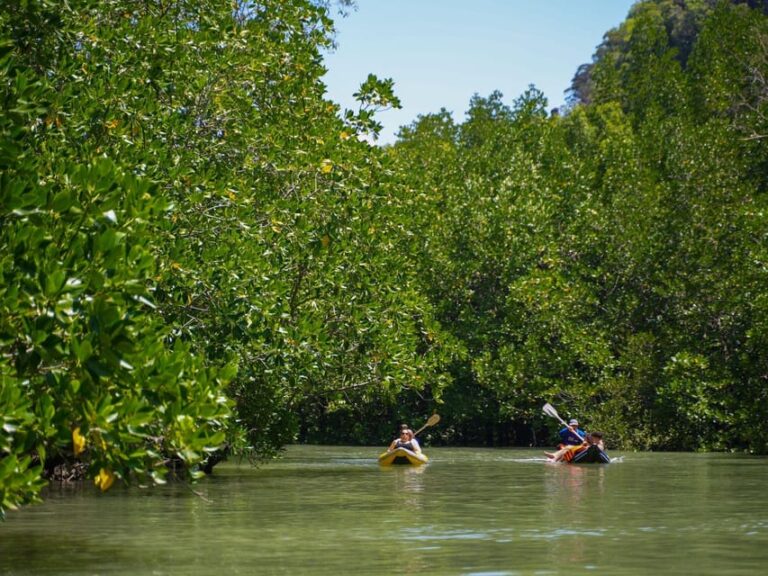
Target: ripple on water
x=502, y=535
x=510, y=573
x=562, y=533
x=429, y=534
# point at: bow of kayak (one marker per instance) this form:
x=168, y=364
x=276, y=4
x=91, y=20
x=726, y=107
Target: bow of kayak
x=402, y=456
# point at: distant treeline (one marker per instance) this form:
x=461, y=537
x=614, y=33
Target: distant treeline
x=202, y=255
x=611, y=257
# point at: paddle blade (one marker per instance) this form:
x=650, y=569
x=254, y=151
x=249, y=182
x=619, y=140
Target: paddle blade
x=434, y=419
x=549, y=410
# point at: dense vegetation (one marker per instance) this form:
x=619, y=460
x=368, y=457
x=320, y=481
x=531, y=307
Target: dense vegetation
x=201, y=253
x=612, y=257
x=195, y=245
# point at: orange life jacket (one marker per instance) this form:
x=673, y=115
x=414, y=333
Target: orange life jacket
x=573, y=450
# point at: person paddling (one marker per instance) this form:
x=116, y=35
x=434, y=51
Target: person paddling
x=567, y=452
x=571, y=435
x=406, y=440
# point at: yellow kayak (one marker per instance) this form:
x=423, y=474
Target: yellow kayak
x=402, y=456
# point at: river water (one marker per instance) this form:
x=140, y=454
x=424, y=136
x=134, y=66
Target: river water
x=333, y=510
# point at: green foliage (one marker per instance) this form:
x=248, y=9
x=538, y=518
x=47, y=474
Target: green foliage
x=200, y=252
x=189, y=228
x=88, y=369
x=611, y=259
x=648, y=21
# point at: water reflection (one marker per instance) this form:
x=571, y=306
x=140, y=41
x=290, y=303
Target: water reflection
x=407, y=484
x=572, y=491
x=328, y=511
x=573, y=482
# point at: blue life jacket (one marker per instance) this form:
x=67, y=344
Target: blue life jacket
x=568, y=437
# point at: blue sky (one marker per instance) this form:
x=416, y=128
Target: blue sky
x=441, y=52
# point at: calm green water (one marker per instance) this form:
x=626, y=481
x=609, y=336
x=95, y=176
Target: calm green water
x=330, y=510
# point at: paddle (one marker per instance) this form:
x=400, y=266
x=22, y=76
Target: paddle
x=434, y=419
x=549, y=410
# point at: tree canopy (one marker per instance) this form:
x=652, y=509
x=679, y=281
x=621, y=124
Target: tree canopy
x=202, y=254
x=611, y=257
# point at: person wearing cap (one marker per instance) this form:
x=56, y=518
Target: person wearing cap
x=572, y=435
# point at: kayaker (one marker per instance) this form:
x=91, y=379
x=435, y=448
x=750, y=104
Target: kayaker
x=597, y=440
x=406, y=440
x=571, y=435
x=569, y=451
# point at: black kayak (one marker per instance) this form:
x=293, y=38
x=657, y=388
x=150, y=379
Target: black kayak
x=592, y=455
